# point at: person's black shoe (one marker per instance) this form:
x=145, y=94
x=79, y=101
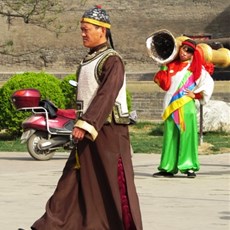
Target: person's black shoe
x=163, y=174
x=191, y=174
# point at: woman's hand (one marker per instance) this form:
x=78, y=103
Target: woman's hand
x=190, y=93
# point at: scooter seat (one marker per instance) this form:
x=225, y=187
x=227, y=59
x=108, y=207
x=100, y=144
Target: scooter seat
x=68, y=113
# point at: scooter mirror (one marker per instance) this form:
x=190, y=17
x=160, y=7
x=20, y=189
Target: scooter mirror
x=73, y=83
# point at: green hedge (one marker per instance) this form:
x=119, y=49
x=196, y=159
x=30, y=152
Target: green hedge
x=47, y=84
x=60, y=92
x=69, y=91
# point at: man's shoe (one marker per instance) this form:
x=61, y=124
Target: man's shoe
x=191, y=174
x=163, y=174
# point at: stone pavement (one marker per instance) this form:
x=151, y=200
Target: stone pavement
x=177, y=203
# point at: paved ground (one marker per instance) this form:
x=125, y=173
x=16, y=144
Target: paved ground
x=168, y=203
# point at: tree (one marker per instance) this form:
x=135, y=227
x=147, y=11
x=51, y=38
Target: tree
x=42, y=13
x=53, y=16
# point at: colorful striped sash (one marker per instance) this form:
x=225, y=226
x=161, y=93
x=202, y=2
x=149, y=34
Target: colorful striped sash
x=179, y=99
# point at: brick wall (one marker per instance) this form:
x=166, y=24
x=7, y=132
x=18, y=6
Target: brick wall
x=147, y=97
x=149, y=105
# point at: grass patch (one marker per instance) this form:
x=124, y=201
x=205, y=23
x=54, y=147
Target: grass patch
x=219, y=142
x=11, y=144
x=218, y=139
x=146, y=137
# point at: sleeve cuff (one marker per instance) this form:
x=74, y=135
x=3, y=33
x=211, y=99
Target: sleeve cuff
x=198, y=96
x=164, y=67
x=92, y=132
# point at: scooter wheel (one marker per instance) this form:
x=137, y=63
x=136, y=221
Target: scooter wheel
x=34, y=151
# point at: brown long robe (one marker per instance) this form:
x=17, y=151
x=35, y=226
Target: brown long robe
x=90, y=198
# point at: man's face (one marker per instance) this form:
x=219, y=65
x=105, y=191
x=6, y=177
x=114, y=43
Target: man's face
x=92, y=35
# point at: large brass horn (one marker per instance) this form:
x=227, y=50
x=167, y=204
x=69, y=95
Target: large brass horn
x=163, y=48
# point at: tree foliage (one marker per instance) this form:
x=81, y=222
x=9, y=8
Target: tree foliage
x=42, y=13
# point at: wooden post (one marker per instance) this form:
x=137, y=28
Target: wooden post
x=201, y=125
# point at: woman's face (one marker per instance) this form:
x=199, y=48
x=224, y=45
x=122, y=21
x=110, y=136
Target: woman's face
x=185, y=53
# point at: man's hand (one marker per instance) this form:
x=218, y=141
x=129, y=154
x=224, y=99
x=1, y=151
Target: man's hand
x=78, y=134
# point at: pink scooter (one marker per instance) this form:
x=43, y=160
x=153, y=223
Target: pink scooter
x=48, y=128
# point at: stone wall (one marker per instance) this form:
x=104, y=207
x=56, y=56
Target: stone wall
x=35, y=48
x=149, y=105
x=148, y=97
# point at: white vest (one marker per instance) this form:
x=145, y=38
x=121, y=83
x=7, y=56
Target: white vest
x=88, y=84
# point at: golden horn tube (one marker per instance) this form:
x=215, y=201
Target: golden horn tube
x=220, y=57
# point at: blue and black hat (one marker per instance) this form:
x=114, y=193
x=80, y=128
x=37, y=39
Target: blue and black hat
x=97, y=16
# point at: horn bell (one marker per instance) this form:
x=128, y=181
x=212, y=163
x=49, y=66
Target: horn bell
x=162, y=47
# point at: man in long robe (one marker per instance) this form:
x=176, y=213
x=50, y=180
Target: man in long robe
x=96, y=190
x=184, y=80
